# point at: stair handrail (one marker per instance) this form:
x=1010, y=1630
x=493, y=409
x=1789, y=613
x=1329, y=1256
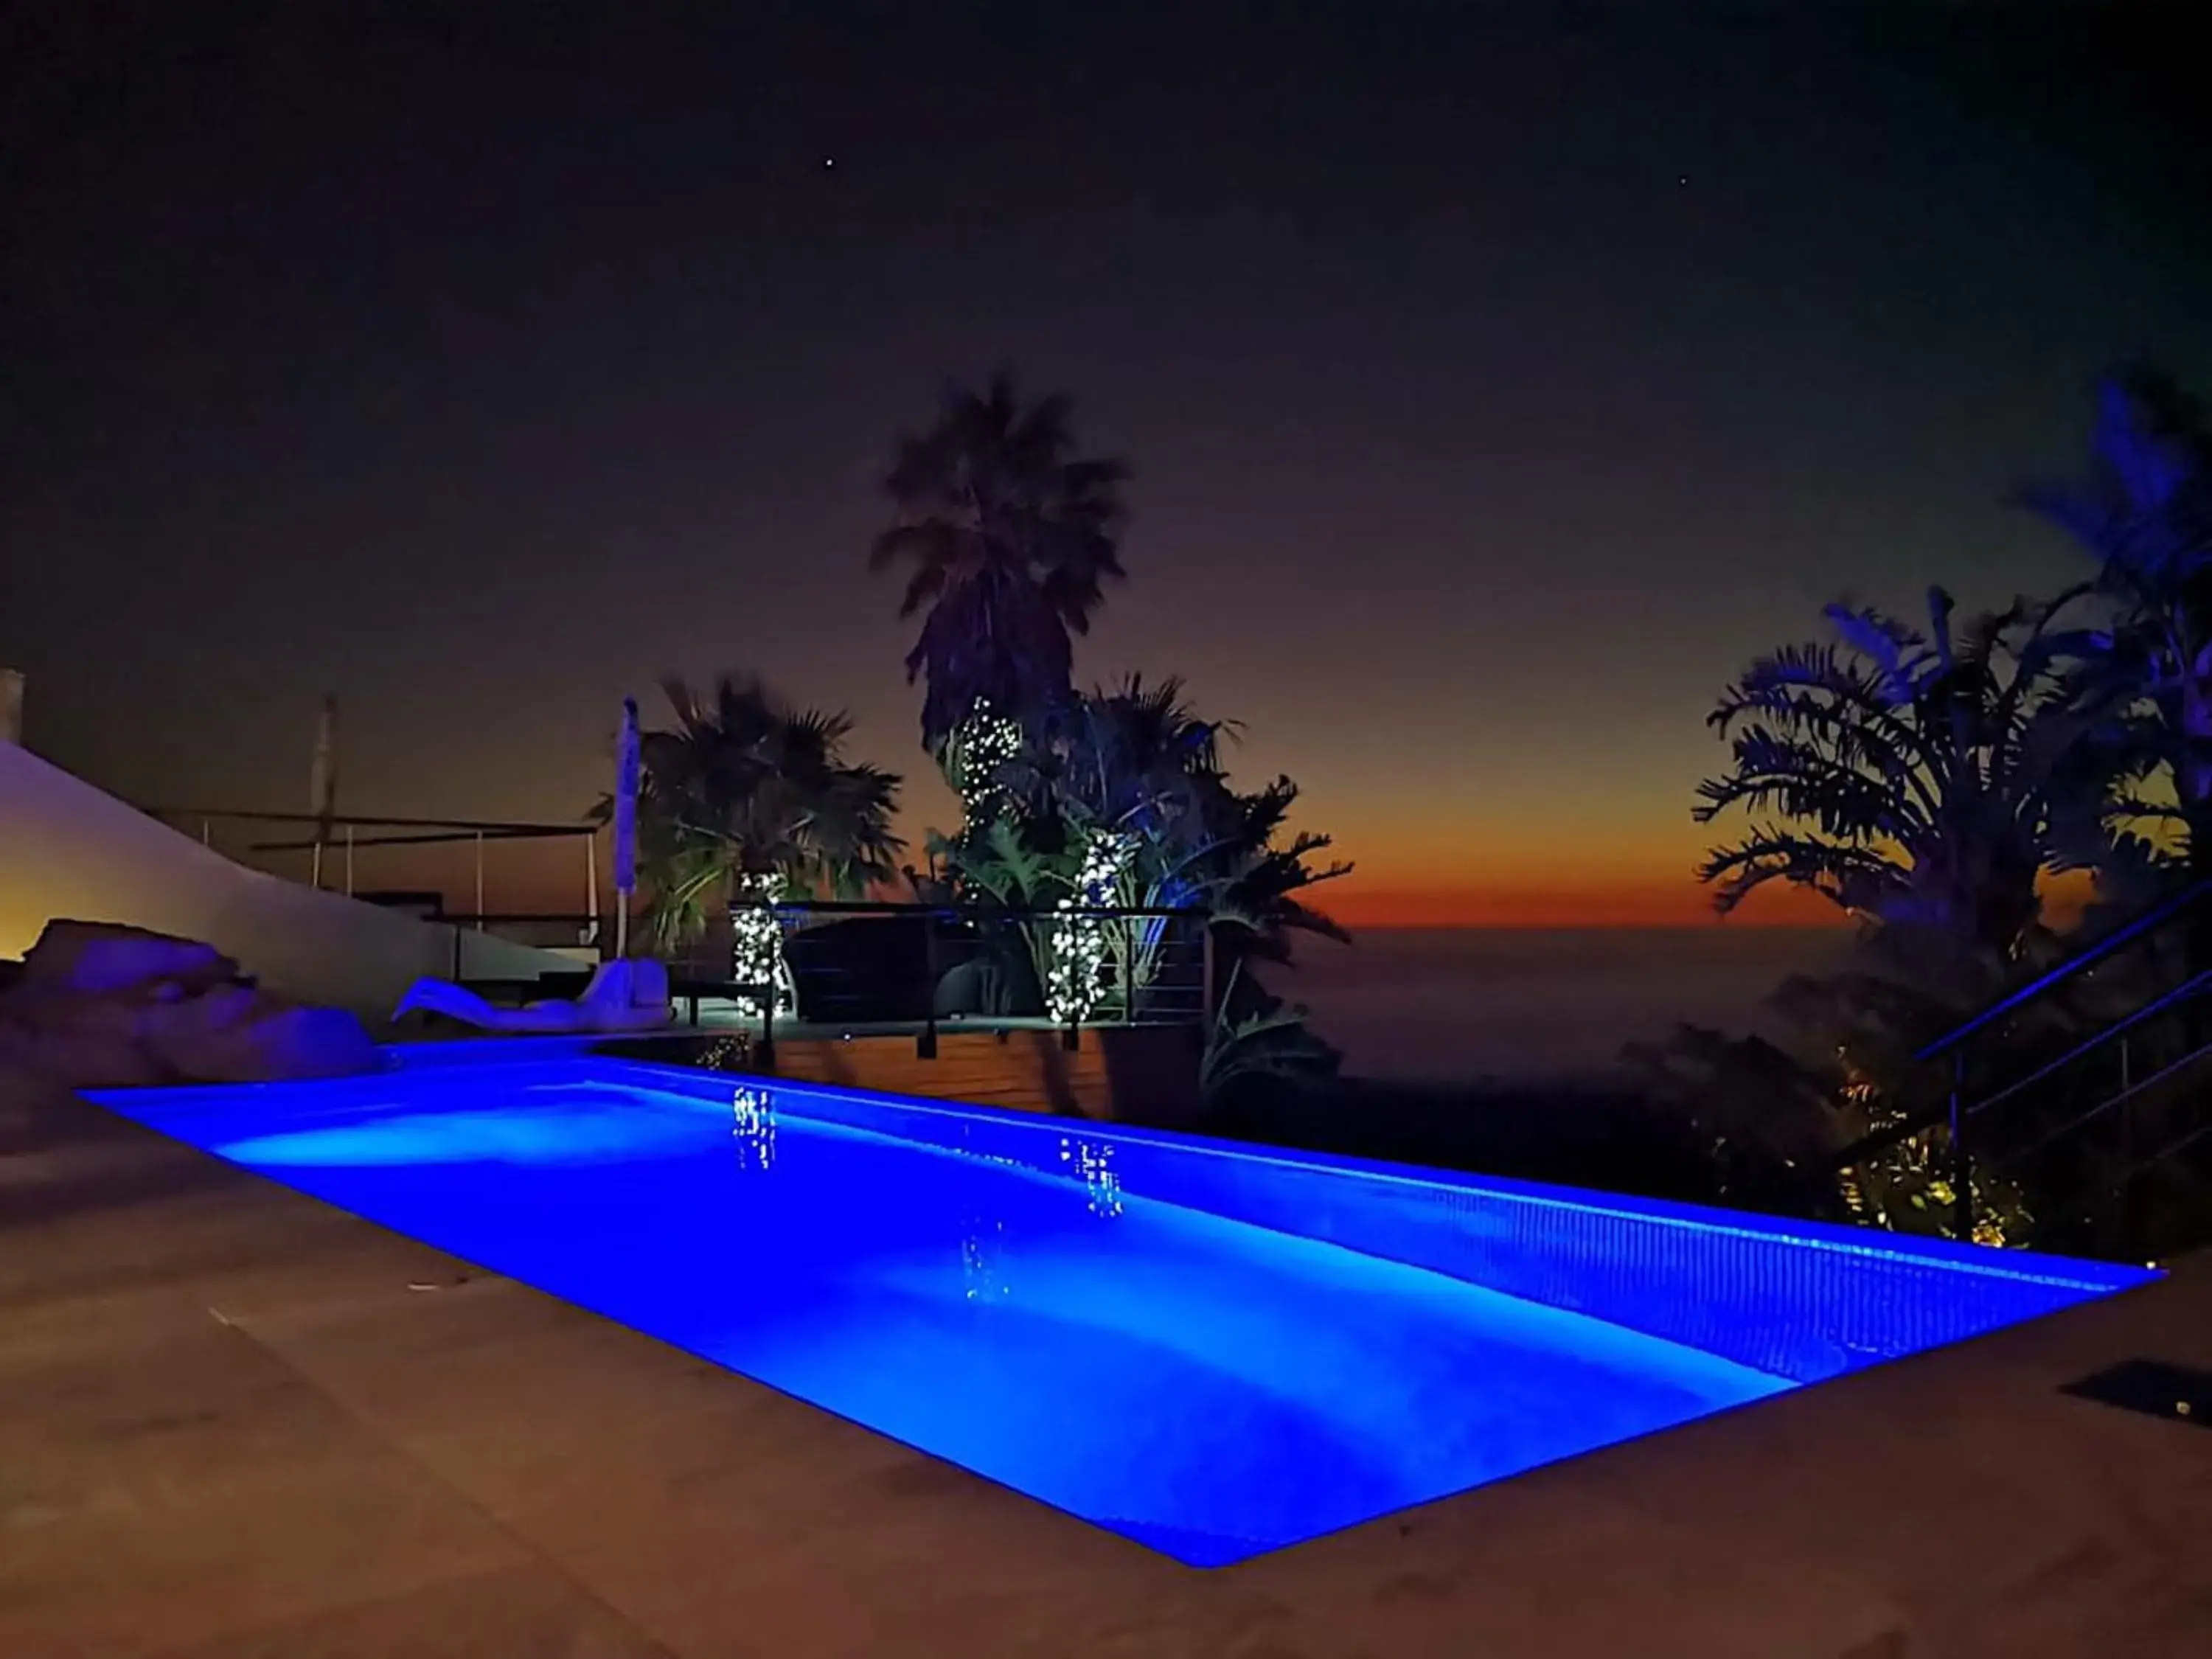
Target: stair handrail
x=1958, y=1109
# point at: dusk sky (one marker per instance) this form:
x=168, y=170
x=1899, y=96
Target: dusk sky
x=1496, y=380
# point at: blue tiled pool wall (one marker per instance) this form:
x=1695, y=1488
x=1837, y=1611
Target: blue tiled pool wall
x=1780, y=1302
x=1802, y=1302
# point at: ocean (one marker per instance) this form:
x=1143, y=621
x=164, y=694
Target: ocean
x=1458, y=1005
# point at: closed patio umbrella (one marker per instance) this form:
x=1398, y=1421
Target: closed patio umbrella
x=625, y=825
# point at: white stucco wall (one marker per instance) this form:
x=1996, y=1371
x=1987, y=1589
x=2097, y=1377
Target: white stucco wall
x=68, y=849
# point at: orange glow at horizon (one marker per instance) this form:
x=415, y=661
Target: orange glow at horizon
x=1654, y=903
x=1615, y=903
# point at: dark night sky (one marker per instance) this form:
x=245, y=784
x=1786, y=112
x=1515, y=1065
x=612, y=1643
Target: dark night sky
x=1497, y=379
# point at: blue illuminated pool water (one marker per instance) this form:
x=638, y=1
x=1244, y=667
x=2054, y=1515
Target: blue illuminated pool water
x=1213, y=1351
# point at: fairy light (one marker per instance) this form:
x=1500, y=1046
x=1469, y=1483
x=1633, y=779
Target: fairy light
x=983, y=745
x=1077, y=943
x=756, y=956
x=1912, y=1175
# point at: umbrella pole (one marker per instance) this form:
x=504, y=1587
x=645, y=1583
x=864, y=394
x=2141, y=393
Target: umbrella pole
x=624, y=824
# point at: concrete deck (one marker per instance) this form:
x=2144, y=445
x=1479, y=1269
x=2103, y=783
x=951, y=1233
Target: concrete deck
x=236, y=1422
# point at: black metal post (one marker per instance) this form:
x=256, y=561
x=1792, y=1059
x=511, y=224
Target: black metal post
x=1128, y=970
x=2127, y=1240
x=925, y=1045
x=1206, y=976
x=1962, y=1165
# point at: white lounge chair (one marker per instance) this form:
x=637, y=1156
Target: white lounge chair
x=627, y=995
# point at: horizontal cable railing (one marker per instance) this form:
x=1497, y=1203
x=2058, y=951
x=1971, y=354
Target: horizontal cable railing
x=918, y=964
x=862, y=961
x=342, y=849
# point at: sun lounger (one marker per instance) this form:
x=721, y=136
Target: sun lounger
x=628, y=995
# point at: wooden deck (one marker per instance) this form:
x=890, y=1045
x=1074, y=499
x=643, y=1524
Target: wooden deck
x=1138, y=1074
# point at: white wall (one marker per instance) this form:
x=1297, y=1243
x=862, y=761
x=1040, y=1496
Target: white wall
x=68, y=849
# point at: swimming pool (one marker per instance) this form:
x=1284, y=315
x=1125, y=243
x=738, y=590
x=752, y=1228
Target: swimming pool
x=1211, y=1350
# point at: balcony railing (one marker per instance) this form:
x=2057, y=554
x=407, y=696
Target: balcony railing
x=2082, y=1083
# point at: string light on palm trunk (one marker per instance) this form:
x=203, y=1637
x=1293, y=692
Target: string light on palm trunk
x=756, y=956
x=986, y=743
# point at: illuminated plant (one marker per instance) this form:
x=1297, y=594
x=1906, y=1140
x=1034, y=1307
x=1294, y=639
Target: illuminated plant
x=1076, y=945
x=1908, y=1188
x=1138, y=758
x=1124, y=804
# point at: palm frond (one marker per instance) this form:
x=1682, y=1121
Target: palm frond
x=1912, y=777
x=1011, y=537
x=745, y=784
x=1854, y=878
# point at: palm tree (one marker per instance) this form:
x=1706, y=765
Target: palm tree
x=1251, y=877
x=1137, y=757
x=747, y=796
x=1011, y=537
x=1921, y=782
x=2145, y=513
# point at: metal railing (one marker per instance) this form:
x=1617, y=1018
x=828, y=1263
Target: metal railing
x=2099, y=1040
x=337, y=839
x=926, y=965
x=923, y=966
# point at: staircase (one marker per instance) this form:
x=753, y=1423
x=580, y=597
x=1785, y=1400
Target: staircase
x=2087, y=1088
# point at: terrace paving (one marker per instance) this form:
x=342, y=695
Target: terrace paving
x=234, y=1421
